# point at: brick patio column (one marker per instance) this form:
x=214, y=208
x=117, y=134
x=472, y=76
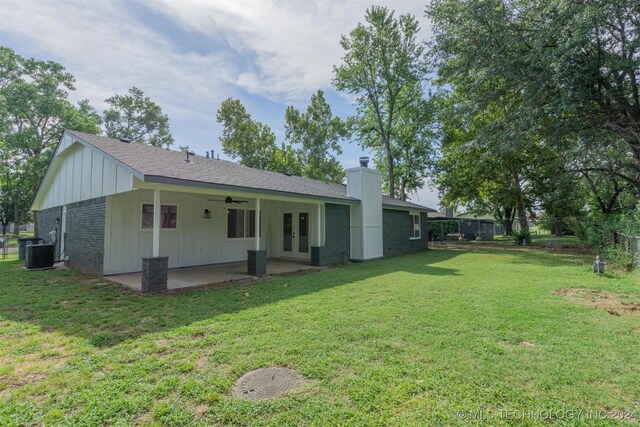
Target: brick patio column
x=154, y=273
x=318, y=253
x=155, y=269
x=256, y=262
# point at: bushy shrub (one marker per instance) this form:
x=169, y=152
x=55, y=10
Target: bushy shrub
x=438, y=230
x=549, y=223
x=523, y=237
x=601, y=229
x=619, y=256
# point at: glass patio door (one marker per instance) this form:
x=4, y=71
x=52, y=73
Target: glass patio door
x=295, y=234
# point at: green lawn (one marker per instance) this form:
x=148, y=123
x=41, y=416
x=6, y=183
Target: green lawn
x=402, y=341
x=541, y=240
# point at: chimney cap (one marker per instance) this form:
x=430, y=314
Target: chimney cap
x=364, y=162
x=189, y=153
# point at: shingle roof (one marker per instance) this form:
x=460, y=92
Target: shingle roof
x=159, y=164
x=395, y=203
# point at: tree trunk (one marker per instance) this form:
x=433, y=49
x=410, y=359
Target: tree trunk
x=508, y=227
x=635, y=149
x=522, y=213
x=519, y=199
x=16, y=223
x=392, y=177
x=509, y=215
x=557, y=227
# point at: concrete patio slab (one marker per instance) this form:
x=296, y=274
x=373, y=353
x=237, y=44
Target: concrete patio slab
x=188, y=277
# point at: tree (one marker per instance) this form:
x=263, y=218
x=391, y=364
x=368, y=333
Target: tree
x=486, y=163
x=383, y=62
x=137, y=118
x=576, y=65
x=285, y=160
x=413, y=134
x=318, y=133
x=243, y=138
x=34, y=110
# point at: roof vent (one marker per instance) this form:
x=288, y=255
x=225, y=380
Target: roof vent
x=189, y=153
x=125, y=140
x=286, y=173
x=364, y=162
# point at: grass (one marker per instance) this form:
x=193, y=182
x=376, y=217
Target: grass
x=541, y=240
x=402, y=341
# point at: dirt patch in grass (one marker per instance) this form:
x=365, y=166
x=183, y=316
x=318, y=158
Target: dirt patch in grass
x=509, y=247
x=522, y=344
x=614, y=303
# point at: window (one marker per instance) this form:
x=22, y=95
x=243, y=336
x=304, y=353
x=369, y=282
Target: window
x=168, y=216
x=235, y=223
x=242, y=223
x=415, y=225
x=251, y=224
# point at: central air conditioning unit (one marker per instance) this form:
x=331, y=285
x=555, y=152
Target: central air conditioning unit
x=39, y=256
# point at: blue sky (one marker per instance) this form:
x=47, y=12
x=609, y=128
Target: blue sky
x=189, y=55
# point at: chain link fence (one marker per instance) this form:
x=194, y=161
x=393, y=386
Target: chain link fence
x=631, y=245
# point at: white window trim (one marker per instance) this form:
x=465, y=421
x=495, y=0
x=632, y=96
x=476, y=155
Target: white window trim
x=413, y=215
x=149, y=230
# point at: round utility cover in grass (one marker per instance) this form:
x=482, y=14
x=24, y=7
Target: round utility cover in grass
x=266, y=383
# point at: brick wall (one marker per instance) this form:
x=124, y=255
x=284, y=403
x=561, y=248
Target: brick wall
x=397, y=230
x=46, y=223
x=337, y=233
x=84, y=244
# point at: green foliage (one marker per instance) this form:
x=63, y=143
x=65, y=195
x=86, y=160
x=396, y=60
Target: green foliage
x=484, y=163
x=34, y=110
x=243, y=138
x=318, y=133
x=384, y=66
x=574, y=64
x=566, y=73
x=523, y=237
x=137, y=117
x=619, y=257
x=601, y=228
x=314, y=136
x=439, y=230
x=286, y=160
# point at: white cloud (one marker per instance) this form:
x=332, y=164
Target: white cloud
x=293, y=45
x=108, y=52
x=427, y=196
x=276, y=50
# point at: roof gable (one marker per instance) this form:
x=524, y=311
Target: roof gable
x=77, y=171
x=157, y=165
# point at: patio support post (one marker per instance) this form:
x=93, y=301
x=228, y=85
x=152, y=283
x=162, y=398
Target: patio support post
x=155, y=268
x=319, y=222
x=257, y=224
x=156, y=223
x=257, y=258
x=318, y=252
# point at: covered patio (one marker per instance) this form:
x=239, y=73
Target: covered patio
x=214, y=274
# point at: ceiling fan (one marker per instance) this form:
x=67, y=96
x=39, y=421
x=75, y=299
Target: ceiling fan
x=228, y=199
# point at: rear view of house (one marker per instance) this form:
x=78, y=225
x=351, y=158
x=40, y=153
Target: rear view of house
x=111, y=206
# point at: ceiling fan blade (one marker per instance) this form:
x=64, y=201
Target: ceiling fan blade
x=228, y=200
